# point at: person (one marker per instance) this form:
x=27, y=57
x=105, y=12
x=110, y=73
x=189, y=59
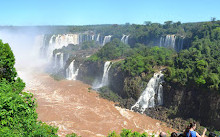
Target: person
x=190, y=131
x=163, y=134
x=174, y=134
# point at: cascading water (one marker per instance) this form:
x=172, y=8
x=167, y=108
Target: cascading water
x=153, y=91
x=106, y=39
x=104, y=81
x=58, y=41
x=124, y=39
x=97, y=39
x=58, y=60
x=71, y=72
x=172, y=41
x=61, y=60
x=179, y=45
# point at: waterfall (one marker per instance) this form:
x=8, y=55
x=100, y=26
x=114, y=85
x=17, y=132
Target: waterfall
x=106, y=39
x=58, y=41
x=93, y=37
x=172, y=41
x=152, y=95
x=58, y=60
x=124, y=39
x=161, y=41
x=104, y=81
x=168, y=41
x=179, y=44
x=61, y=60
x=55, y=60
x=71, y=72
x=97, y=39
x=160, y=95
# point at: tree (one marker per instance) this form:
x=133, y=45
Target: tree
x=18, y=115
x=7, y=62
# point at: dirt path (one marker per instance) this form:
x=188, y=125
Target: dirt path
x=69, y=105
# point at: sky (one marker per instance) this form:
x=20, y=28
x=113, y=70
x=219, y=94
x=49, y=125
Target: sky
x=90, y=12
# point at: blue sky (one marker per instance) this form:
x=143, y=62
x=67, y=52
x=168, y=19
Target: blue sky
x=85, y=12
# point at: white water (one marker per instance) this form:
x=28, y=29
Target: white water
x=169, y=41
x=97, y=39
x=61, y=60
x=124, y=39
x=104, y=81
x=154, y=89
x=71, y=72
x=58, y=60
x=106, y=39
x=58, y=41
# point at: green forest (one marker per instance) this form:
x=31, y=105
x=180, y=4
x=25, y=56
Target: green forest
x=197, y=65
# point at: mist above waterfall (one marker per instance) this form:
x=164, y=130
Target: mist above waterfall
x=25, y=45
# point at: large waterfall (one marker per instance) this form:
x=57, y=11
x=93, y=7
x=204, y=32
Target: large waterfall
x=71, y=72
x=62, y=40
x=152, y=95
x=58, y=41
x=168, y=41
x=58, y=60
x=124, y=39
x=172, y=41
x=106, y=39
x=104, y=81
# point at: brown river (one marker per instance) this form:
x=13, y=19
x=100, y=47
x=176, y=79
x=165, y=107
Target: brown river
x=69, y=106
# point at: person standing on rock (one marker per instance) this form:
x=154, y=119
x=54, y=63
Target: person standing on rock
x=190, y=131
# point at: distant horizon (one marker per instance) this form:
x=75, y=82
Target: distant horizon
x=60, y=25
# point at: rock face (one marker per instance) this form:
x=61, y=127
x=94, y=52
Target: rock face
x=184, y=102
x=201, y=105
x=90, y=71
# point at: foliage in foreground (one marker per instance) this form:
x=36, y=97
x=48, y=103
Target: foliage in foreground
x=128, y=133
x=124, y=133
x=18, y=117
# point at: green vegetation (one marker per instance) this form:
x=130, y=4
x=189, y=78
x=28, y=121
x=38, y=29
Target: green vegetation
x=72, y=135
x=197, y=65
x=145, y=59
x=7, y=61
x=18, y=115
x=106, y=93
x=129, y=133
x=124, y=133
x=112, y=50
x=200, y=64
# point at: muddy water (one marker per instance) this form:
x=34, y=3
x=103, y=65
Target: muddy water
x=69, y=106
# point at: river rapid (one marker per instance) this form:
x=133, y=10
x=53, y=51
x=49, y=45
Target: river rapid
x=70, y=106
